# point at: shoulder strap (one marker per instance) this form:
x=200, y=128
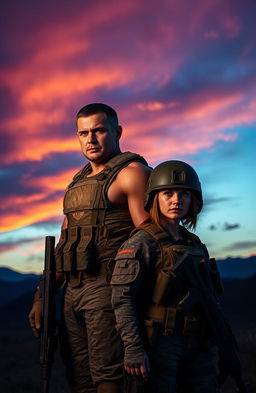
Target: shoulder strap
x=125, y=158
x=80, y=174
x=161, y=237
x=168, y=248
x=113, y=166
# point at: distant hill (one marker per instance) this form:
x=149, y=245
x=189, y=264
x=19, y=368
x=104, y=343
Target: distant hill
x=238, y=301
x=237, y=267
x=229, y=268
x=7, y=274
x=9, y=291
x=15, y=313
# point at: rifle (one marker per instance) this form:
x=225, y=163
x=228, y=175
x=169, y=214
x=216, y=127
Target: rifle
x=48, y=337
x=201, y=293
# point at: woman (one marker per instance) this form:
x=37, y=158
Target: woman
x=161, y=324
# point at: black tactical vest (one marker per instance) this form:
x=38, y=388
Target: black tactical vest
x=170, y=255
x=96, y=227
x=162, y=308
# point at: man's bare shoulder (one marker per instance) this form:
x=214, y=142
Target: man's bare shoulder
x=134, y=175
x=135, y=168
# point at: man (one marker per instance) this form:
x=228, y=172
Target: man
x=102, y=205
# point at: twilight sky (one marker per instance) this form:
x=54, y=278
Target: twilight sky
x=182, y=77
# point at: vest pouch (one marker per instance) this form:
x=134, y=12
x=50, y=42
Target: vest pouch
x=152, y=329
x=164, y=282
x=69, y=250
x=58, y=252
x=84, y=250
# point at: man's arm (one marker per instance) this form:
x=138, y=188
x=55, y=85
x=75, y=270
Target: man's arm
x=132, y=181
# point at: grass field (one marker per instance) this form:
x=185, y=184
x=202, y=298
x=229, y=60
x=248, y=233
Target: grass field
x=20, y=371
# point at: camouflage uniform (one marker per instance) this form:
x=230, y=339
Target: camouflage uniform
x=177, y=356
x=91, y=346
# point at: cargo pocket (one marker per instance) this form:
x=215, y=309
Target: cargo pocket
x=125, y=271
x=69, y=250
x=84, y=250
x=58, y=252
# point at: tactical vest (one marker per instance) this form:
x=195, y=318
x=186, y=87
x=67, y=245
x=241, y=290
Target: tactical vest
x=96, y=227
x=161, y=308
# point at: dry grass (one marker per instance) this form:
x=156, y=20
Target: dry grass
x=20, y=371
x=19, y=365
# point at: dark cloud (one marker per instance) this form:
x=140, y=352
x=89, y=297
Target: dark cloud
x=224, y=227
x=48, y=226
x=12, y=245
x=211, y=201
x=34, y=259
x=241, y=246
x=59, y=162
x=228, y=227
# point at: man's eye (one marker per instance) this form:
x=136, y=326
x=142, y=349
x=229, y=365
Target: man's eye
x=82, y=133
x=186, y=193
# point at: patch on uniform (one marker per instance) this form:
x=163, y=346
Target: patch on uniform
x=126, y=251
x=126, y=271
x=77, y=215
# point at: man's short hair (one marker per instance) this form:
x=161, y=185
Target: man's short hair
x=96, y=107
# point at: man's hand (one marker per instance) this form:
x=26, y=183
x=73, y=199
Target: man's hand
x=142, y=370
x=35, y=317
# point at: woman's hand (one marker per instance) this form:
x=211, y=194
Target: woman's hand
x=141, y=370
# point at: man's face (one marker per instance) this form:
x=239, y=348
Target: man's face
x=98, y=137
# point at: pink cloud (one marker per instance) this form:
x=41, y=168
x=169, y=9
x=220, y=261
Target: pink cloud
x=132, y=55
x=212, y=34
x=232, y=26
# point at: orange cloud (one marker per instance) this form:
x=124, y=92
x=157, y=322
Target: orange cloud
x=55, y=182
x=33, y=208
x=31, y=213
x=250, y=254
x=39, y=148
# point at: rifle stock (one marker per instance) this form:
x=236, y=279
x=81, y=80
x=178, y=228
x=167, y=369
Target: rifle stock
x=48, y=330
x=221, y=332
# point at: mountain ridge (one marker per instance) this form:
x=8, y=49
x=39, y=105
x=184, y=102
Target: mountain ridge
x=229, y=268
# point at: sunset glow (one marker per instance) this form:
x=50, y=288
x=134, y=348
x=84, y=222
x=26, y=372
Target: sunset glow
x=182, y=79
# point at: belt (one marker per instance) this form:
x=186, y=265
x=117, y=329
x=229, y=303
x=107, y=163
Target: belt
x=77, y=276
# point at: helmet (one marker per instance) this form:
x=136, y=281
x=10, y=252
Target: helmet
x=172, y=174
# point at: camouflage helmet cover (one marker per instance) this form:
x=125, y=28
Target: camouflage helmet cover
x=172, y=174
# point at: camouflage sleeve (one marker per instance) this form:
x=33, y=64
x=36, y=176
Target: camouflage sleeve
x=132, y=262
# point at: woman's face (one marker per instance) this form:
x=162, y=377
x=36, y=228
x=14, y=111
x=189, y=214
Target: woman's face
x=174, y=203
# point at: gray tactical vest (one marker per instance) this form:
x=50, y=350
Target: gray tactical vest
x=96, y=227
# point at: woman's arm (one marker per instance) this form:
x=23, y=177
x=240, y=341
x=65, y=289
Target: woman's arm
x=126, y=281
